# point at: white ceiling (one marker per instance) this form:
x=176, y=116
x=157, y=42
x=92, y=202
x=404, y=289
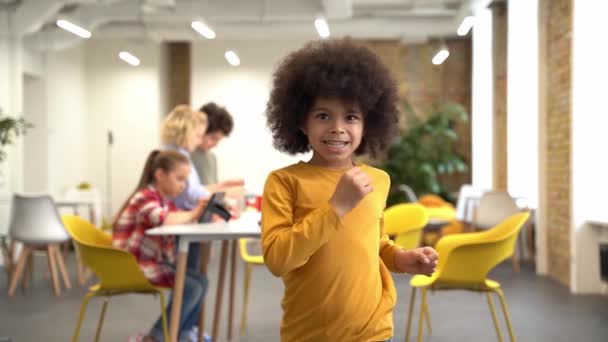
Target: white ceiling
x=169, y=20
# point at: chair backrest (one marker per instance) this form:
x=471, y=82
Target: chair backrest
x=466, y=259
x=465, y=202
x=116, y=269
x=406, y=221
x=34, y=220
x=493, y=208
x=256, y=258
x=409, y=193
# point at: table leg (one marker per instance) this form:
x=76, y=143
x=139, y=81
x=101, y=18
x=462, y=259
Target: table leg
x=92, y=214
x=220, y=290
x=178, y=289
x=205, y=252
x=234, y=244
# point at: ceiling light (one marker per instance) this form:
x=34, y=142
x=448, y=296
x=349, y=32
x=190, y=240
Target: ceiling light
x=322, y=27
x=129, y=58
x=73, y=28
x=465, y=26
x=441, y=56
x=203, y=29
x=232, y=58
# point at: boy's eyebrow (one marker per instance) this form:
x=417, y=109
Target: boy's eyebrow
x=320, y=108
x=352, y=109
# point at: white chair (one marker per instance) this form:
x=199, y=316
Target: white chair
x=465, y=204
x=36, y=224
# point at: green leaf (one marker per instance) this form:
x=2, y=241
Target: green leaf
x=426, y=149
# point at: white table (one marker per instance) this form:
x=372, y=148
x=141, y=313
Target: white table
x=246, y=226
x=75, y=204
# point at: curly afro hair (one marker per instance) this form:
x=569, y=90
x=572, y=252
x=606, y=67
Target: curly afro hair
x=337, y=68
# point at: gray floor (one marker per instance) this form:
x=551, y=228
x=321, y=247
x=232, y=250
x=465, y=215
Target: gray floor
x=541, y=309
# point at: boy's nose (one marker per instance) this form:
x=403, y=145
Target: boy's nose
x=338, y=127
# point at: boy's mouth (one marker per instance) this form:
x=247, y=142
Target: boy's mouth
x=335, y=144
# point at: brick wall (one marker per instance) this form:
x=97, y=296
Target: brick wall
x=422, y=83
x=178, y=74
x=556, y=16
x=499, y=66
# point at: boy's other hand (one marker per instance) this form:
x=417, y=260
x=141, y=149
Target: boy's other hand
x=197, y=211
x=232, y=182
x=421, y=260
x=352, y=187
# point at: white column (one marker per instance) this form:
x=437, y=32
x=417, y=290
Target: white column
x=589, y=140
x=522, y=99
x=482, y=95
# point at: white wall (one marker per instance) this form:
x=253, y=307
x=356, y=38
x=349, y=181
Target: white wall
x=35, y=142
x=244, y=90
x=125, y=100
x=589, y=139
x=66, y=119
x=11, y=85
x=482, y=101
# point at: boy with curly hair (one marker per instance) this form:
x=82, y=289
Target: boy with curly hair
x=322, y=226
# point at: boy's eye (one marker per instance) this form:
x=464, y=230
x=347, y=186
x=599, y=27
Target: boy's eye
x=352, y=117
x=322, y=116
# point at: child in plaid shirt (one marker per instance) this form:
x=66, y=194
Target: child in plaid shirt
x=164, y=177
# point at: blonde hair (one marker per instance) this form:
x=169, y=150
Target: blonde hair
x=180, y=123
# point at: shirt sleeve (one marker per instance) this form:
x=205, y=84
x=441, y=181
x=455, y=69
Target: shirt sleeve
x=193, y=193
x=387, y=249
x=286, y=244
x=151, y=213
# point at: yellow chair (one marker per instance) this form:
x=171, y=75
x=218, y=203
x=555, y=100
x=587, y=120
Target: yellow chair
x=250, y=261
x=464, y=262
x=117, y=270
x=405, y=221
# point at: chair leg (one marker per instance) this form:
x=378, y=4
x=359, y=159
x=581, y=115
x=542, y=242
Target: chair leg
x=505, y=311
x=409, y=315
x=494, y=319
x=62, y=269
x=18, y=269
x=28, y=273
x=53, y=269
x=83, y=309
x=245, y=297
x=163, y=315
x=421, y=320
x=101, y=318
x=427, y=319
x=7, y=258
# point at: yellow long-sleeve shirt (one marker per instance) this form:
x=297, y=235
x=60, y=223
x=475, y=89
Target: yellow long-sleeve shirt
x=336, y=271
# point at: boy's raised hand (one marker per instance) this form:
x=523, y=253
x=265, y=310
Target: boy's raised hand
x=352, y=187
x=421, y=260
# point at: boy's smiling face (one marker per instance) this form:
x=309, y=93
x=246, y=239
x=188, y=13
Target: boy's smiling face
x=334, y=129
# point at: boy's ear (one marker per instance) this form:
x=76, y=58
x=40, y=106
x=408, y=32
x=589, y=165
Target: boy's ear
x=303, y=130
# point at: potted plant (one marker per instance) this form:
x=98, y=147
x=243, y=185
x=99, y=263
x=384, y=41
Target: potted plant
x=425, y=150
x=10, y=128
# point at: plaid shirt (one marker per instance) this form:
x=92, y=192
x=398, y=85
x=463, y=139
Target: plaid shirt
x=155, y=254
